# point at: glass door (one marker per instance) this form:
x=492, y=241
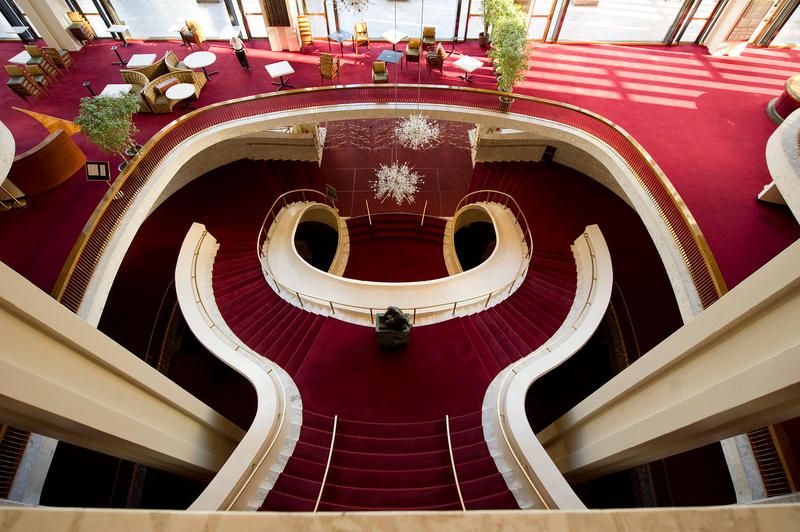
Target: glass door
x=253, y=14
x=693, y=20
x=317, y=12
x=474, y=22
x=776, y=21
x=614, y=21
x=541, y=18
x=789, y=34
x=95, y=14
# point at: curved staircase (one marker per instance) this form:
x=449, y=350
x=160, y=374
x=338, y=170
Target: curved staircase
x=390, y=466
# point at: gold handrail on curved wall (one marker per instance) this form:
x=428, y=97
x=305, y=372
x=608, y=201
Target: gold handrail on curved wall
x=88, y=249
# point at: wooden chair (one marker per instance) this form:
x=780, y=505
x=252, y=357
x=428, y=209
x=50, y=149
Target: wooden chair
x=379, y=72
x=436, y=59
x=412, y=51
x=328, y=66
x=21, y=83
x=61, y=58
x=38, y=76
x=42, y=61
x=304, y=27
x=428, y=37
x=360, y=36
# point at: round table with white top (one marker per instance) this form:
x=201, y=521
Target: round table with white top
x=181, y=91
x=201, y=60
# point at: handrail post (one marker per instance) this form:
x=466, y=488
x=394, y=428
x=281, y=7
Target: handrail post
x=487, y=300
x=414, y=317
x=425, y=208
x=454, y=307
x=298, y=299
x=369, y=218
x=331, y=304
x=453, y=462
x=327, y=465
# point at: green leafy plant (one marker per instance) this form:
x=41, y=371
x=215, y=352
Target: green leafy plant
x=511, y=51
x=107, y=121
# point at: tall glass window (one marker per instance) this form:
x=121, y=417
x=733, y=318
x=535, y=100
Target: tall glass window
x=380, y=17
x=790, y=33
x=620, y=21
x=93, y=16
x=154, y=18
x=698, y=20
x=5, y=30
x=475, y=18
x=254, y=15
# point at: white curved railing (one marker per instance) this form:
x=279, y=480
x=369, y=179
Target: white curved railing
x=427, y=301
x=233, y=486
x=519, y=448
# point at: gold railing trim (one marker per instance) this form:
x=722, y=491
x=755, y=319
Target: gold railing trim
x=327, y=464
x=711, y=265
x=453, y=462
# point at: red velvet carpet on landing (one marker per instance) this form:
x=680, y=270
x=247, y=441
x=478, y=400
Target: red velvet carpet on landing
x=701, y=117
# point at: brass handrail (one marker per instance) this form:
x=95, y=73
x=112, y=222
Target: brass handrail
x=453, y=462
x=501, y=417
x=441, y=307
x=327, y=464
x=239, y=347
x=89, y=247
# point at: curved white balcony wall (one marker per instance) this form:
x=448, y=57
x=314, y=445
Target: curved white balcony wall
x=465, y=216
x=528, y=469
x=352, y=299
x=326, y=215
x=594, y=154
x=253, y=467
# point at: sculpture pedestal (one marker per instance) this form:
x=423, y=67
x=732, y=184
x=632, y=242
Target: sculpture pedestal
x=389, y=338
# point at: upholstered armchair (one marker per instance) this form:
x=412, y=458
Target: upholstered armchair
x=138, y=81
x=436, y=58
x=360, y=37
x=154, y=95
x=328, y=66
x=192, y=34
x=428, y=37
x=412, y=51
x=379, y=72
x=173, y=63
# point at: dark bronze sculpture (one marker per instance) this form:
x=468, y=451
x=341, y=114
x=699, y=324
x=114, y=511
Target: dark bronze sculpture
x=392, y=328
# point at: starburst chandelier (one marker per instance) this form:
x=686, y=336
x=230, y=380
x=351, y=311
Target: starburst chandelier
x=397, y=181
x=354, y=6
x=417, y=132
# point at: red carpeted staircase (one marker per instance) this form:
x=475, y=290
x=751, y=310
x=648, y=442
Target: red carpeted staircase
x=396, y=248
x=390, y=466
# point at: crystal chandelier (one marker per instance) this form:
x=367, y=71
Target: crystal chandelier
x=417, y=132
x=354, y=6
x=396, y=181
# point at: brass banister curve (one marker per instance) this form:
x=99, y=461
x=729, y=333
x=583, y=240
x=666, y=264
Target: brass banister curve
x=81, y=264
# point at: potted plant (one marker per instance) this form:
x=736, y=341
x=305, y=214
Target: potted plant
x=510, y=52
x=483, y=37
x=107, y=121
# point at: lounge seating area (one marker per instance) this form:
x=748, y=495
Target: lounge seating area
x=151, y=82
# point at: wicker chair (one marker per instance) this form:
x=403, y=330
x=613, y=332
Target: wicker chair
x=158, y=102
x=428, y=37
x=173, y=63
x=138, y=81
x=159, y=68
x=412, y=51
x=360, y=37
x=436, y=59
x=60, y=58
x=328, y=66
x=379, y=72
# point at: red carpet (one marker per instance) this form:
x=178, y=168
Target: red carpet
x=396, y=248
x=702, y=118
